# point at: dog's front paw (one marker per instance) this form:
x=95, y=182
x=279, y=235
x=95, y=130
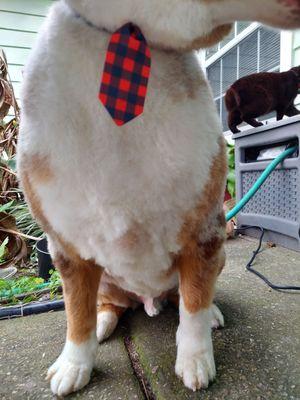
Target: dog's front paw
x=72, y=370
x=196, y=370
x=66, y=377
x=195, y=363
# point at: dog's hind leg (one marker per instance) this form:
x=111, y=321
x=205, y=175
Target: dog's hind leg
x=107, y=320
x=73, y=368
x=112, y=303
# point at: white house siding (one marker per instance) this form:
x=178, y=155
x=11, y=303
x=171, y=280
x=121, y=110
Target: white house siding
x=19, y=23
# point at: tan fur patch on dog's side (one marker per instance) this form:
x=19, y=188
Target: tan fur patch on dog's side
x=34, y=202
x=40, y=169
x=211, y=198
x=202, y=257
x=36, y=210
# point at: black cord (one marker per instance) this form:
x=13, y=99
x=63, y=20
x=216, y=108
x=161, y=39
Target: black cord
x=250, y=268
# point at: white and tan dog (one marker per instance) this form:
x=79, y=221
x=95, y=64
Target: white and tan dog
x=131, y=212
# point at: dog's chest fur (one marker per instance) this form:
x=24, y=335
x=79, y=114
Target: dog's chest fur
x=119, y=195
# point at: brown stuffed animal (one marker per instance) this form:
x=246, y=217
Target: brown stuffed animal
x=259, y=94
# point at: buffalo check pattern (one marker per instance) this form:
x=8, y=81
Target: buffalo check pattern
x=126, y=73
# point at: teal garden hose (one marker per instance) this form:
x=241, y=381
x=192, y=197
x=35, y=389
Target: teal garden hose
x=261, y=180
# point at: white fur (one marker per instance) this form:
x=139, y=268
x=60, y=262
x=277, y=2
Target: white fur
x=217, y=319
x=144, y=176
x=195, y=360
x=106, y=324
x=72, y=370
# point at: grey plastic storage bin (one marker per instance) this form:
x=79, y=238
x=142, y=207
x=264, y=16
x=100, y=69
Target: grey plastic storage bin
x=276, y=207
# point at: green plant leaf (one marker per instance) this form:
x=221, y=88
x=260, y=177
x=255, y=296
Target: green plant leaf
x=231, y=189
x=231, y=170
x=12, y=164
x=3, y=249
x=6, y=206
x=231, y=176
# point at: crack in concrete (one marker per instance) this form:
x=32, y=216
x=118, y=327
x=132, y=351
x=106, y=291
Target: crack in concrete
x=138, y=369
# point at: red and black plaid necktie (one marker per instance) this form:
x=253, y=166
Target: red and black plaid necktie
x=126, y=73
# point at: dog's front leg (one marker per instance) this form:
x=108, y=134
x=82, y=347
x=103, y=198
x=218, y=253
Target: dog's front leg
x=195, y=360
x=72, y=370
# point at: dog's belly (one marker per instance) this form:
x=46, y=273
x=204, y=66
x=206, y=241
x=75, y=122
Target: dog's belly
x=134, y=235
x=125, y=209
x=118, y=195
x=125, y=213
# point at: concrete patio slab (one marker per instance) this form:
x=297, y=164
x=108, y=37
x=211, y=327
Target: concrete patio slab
x=257, y=353
x=29, y=345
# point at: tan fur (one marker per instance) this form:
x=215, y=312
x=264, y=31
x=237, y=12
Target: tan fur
x=33, y=200
x=80, y=284
x=129, y=240
x=212, y=38
x=215, y=36
x=110, y=293
x=39, y=169
x=201, y=261
x=119, y=311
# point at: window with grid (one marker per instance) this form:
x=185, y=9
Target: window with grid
x=257, y=52
x=237, y=29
